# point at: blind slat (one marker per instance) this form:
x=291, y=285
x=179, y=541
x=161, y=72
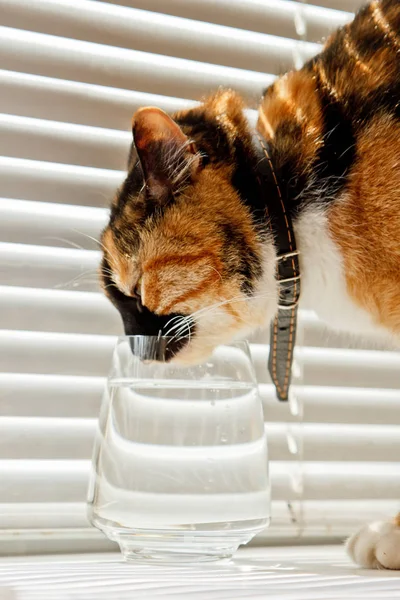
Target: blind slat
x=50, y=395
x=50, y=438
x=59, y=354
x=24, y=265
x=44, y=140
x=66, y=481
x=43, y=516
x=49, y=310
x=352, y=5
x=49, y=224
x=336, y=404
x=79, y=397
x=54, y=182
x=328, y=366
x=76, y=102
x=320, y=516
x=267, y=16
x=43, y=481
x=52, y=56
x=63, y=438
x=155, y=33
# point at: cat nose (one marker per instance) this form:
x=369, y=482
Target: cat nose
x=160, y=350
x=158, y=347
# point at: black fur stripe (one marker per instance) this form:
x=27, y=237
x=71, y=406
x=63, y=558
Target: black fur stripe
x=244, y=180
x=208, y=134
x=338, y=150
x=383, y=99
x=240, y=258
x=215, y=146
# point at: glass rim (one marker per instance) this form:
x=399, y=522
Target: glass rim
x=241, y=347
x=121, y=338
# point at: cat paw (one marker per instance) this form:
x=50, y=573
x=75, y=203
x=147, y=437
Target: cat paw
x=376, y=545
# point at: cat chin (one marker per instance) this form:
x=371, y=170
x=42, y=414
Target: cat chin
x=191, y=356
x=201, y=347
x=199, y=350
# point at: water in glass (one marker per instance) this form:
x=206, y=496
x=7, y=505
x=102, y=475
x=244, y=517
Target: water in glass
x=180, y=459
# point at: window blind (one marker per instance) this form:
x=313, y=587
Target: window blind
x=73, y=72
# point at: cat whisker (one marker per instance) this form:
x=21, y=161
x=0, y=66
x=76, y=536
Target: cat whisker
x=167, y=333
x=78, y=278
x=90, y=237
x=65, y=241
x=182, y=323
x=107, y=271
x=202, y=312
x=181, y=329
x=182, y=337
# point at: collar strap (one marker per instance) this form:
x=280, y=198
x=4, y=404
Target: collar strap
x=284, y=325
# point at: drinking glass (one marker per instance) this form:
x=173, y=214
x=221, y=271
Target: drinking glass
x=180, y=467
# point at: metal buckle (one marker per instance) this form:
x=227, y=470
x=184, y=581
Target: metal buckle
x=288, y=280
x=288, y=306
x=296, y=278
x=287, y=255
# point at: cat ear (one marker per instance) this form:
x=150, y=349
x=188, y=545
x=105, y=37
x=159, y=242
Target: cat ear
x=168, y=158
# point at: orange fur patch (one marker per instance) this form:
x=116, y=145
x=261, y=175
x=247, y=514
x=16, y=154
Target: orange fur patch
x=365, y=224
x=173, y=280
x=119, y=263
x=294, y=98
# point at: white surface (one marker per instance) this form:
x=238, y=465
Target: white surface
x=292, y=573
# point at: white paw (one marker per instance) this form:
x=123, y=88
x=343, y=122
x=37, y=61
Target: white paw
x=377, y=545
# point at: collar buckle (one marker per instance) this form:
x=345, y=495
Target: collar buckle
x=287, y=255
x=290, y=306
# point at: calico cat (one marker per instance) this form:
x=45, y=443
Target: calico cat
x=189, y=251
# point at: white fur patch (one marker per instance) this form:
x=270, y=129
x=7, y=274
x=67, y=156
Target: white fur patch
x=323, y=282
x=376, y=546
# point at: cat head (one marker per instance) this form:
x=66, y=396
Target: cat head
x=186, y=250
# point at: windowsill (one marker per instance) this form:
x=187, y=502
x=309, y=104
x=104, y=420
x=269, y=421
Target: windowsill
x=317, y=572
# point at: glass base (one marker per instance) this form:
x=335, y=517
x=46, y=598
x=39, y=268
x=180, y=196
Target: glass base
x=181, y=545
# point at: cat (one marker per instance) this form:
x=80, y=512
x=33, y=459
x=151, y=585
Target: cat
x=188, y=249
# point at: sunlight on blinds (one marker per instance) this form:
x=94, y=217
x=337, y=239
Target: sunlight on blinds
x=72, y=74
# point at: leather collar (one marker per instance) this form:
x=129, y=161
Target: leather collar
x=284, y=325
